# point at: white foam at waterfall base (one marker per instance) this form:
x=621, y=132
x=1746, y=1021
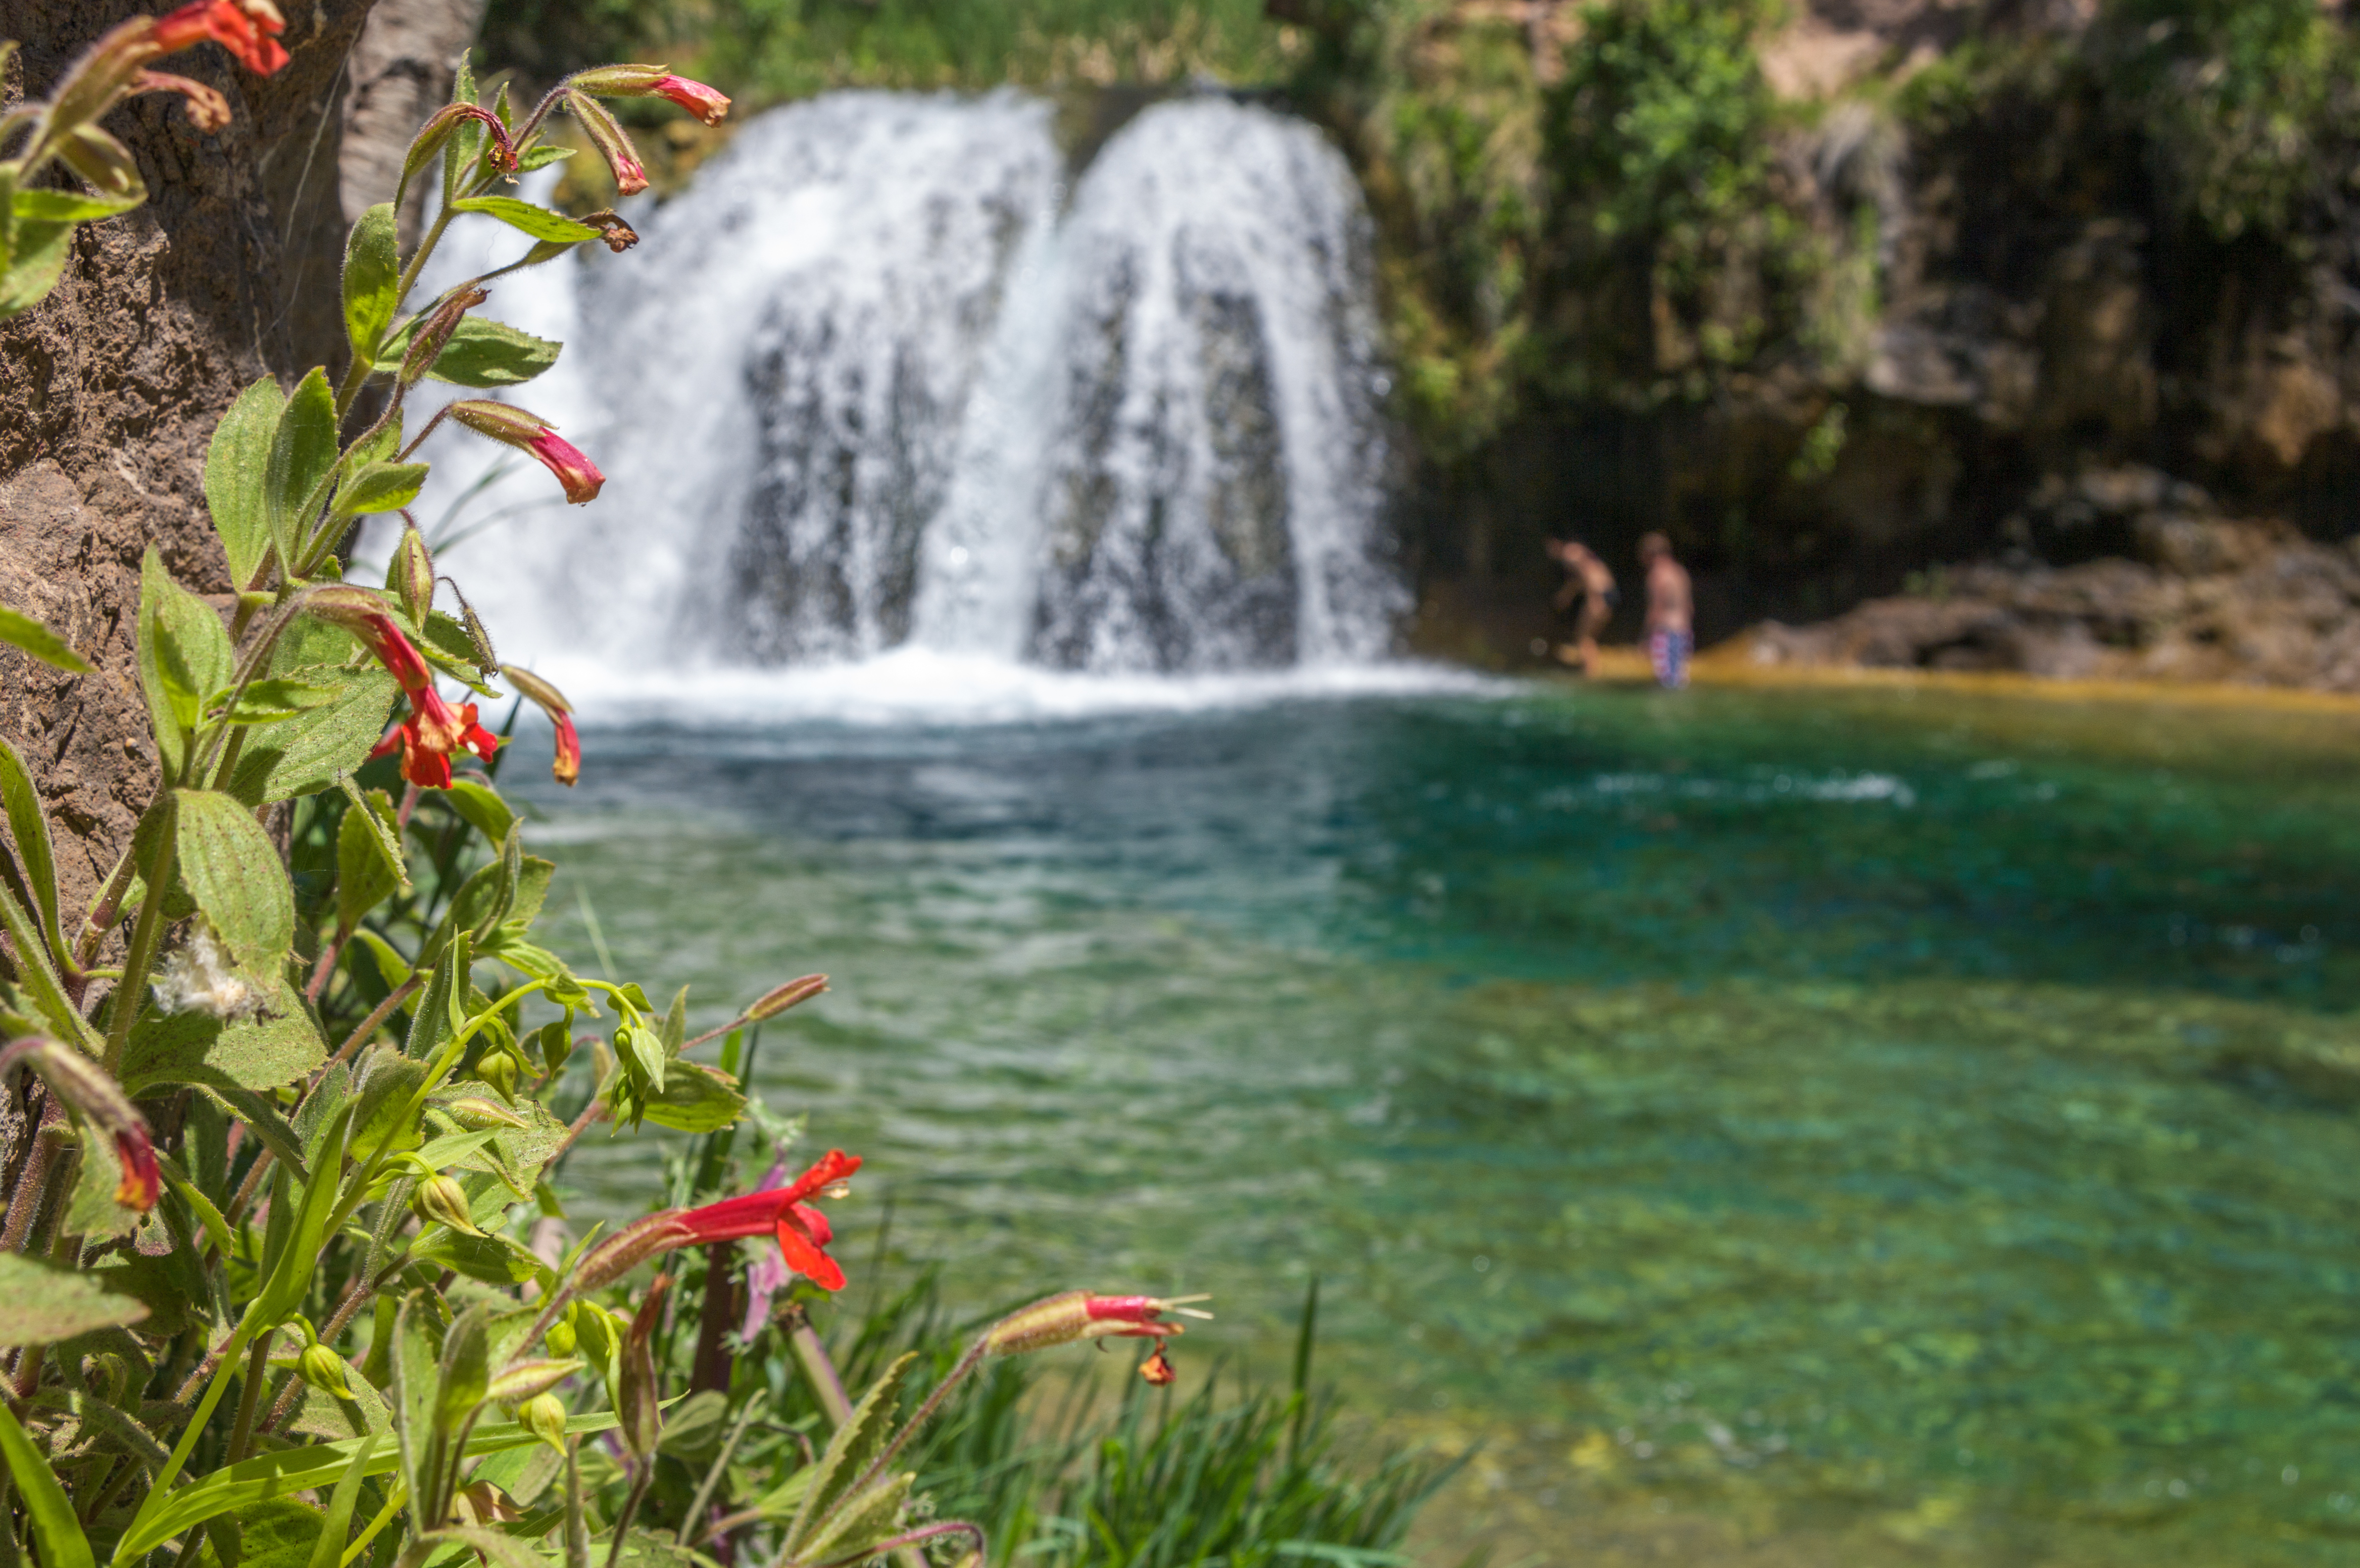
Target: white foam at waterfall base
x=890, y=424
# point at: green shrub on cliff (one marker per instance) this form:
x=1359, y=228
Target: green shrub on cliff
x=1675, y=251
x=2245, y=103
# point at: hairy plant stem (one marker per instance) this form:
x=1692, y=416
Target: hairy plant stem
x=904, y=1547
x=320, y=971
x=123, y=1007
x=968, y=1363
x=257, y=1371
x=642, y=1478
x=33, y=1184
x=818, y=1370
x=369, y=1026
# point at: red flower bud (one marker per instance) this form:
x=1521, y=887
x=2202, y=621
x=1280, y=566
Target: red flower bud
x=247, y=29
x=568, y=765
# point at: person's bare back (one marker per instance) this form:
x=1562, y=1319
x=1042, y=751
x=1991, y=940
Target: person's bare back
x=1593, y=581
x=1671, y=611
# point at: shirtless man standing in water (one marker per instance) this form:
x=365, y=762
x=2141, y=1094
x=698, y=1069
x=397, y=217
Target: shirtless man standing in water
x=1671, y=634
x=1588, y=576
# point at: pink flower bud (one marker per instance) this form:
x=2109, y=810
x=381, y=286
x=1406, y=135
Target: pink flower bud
x=513, y=426
x=606, y=136
x=208, y=110
x=653, y=82
x=93, y=1095
x=698, y=99
x=777, y=999
x=1078, y=1314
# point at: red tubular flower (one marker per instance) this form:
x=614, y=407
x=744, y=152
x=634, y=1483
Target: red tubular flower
x=434, y=730
x=803, y=1232
x=247, y=29
x=528, y=432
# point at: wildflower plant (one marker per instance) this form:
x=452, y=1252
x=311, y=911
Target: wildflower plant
x=283, y=1272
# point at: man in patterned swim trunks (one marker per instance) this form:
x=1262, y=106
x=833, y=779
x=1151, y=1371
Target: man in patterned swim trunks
x=1671, y=634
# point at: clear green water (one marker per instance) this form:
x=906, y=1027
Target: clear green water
x=1923, y=1121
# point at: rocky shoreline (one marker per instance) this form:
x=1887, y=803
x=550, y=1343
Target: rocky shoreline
x=2181, y=593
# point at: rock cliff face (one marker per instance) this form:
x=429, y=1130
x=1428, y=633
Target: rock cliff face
x=2044, y=319
x=110, y=388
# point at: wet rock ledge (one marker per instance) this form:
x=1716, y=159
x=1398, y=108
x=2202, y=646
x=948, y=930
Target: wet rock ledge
x=2167, y=589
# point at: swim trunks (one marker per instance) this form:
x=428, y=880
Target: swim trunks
x=1668, y=652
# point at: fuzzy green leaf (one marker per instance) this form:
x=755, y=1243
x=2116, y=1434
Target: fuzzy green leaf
x=309, y=752
x=857, y=1445
x=193, y=1048
x=368, y=860
x=183, y=655
x=538, y=222
x=302, y=456
x=237, y=472
x=465, y=1368
x=273, y=700
x=372, y=279
x=23, y=631
x=488, y=353
x=30, y=826
x=693, y=1099
x=232, y=870
x=34, y=264
x=860, y=1522
x=70, y=206
x=40, y=1305
x=380, y=487
x=55, y=1529
x=483, y=808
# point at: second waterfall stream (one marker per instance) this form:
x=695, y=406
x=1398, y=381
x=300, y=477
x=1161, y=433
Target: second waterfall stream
x=889, y=378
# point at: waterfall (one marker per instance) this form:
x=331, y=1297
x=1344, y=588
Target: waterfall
x=880, y=379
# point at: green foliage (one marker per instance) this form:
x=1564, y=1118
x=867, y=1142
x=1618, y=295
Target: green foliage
x=773, y=49
x=20, y=631
x=2245, y=103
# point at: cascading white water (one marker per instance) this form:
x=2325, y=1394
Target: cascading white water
x=878, y=379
